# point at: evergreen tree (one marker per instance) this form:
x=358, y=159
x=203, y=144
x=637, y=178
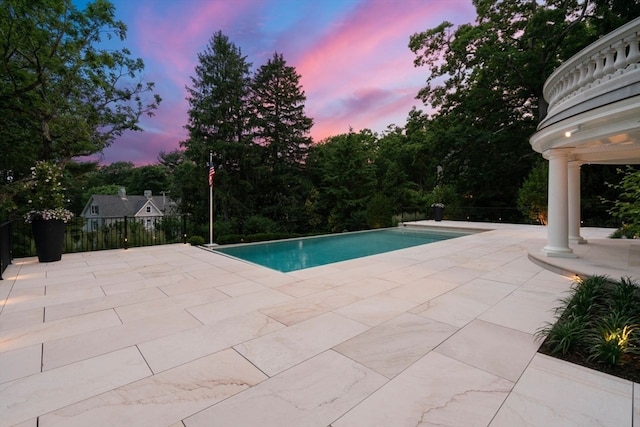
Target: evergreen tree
x=218, y=123
x=281, y=129
x=277, y=103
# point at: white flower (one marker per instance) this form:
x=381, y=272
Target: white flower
x=46, y=194
x=48, y=214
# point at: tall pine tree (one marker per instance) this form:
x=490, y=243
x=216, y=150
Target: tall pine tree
x=281, y=129
x=218, y=122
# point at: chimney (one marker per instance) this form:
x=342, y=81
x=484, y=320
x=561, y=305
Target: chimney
x=147, y=194
x=122, y=192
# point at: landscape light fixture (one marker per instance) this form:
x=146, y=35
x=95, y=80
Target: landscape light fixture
x=570, y=132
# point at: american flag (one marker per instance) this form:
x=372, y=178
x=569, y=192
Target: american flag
x=212, y=173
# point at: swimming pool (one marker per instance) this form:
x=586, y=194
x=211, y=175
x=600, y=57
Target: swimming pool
x=297, y=254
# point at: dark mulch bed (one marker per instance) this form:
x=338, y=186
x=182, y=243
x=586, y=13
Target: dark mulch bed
x=630, y=370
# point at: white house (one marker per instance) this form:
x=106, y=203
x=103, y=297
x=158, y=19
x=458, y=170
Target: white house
x=103, y=210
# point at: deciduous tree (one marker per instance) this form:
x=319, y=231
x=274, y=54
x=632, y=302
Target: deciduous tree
x=485, y=81
x=63, y=92
x=344, y=173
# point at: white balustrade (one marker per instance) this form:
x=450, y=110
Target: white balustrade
x=613, y=54
x=633, y=57
x=608, y=62
x=621, y=55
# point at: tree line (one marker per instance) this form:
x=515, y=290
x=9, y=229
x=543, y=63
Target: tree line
x=483, y=83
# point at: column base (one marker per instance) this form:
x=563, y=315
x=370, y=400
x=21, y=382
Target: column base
x=558, y=252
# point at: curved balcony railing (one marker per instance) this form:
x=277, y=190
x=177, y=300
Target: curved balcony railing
x=598, y=68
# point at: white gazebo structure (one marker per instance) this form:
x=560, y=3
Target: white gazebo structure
x=593, y=118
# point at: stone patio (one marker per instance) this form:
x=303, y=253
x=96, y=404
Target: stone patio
x=175, y=335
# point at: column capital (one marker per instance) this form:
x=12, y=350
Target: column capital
x=554, y=153
x=575, y=164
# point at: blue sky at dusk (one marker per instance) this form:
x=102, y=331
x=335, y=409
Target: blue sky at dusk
x=353, y=57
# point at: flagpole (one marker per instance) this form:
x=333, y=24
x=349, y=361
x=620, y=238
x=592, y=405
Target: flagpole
x=210, y=200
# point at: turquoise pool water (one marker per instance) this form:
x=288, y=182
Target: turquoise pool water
x=297, y=254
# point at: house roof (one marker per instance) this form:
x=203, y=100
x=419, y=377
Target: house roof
x=115, y=206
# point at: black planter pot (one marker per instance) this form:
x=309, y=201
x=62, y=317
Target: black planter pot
x=437, y=213
x=49, y=238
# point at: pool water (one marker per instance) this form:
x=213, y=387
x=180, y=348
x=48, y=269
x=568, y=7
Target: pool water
x=297, y=254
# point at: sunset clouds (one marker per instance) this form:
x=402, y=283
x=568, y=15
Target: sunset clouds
x=357, y=71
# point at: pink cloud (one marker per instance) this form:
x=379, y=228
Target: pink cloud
x=357, y=70
x=169, y=36
x=373, y=109
x=173, y=35
x=369, y=49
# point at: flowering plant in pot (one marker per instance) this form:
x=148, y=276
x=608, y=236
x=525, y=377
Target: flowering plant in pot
x=47, y=213
x=437, y=211
x=439, y=195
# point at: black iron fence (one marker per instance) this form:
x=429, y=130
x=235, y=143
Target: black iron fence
x=93, y=234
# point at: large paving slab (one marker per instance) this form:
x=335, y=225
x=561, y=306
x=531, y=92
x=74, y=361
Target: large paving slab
x=165, y=398
x=313, y=393
x=540, y=397
x=391, y=347
x=284, y=348
x=34, y=395
x=436, y=390
x=179, y=348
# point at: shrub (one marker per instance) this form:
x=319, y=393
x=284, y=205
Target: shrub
x=532, y=196
x=196, y=240
x=610, y=339
x=585, y=296
x=379, y=212
x=626, y=231
x=627, y=207
x=259, y=224
x=222, y=227
x=624, y=298
x=599, y=321
x=251, y=238
x=566, y=336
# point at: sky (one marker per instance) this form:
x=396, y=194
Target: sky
x=356, y=68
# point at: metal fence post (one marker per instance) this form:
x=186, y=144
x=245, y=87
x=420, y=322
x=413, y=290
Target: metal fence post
x=184, y=229
x=126, y=234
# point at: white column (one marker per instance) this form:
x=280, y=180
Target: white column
x=558, y=226
x=574, y=203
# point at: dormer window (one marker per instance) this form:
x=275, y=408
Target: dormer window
x=95, y=210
